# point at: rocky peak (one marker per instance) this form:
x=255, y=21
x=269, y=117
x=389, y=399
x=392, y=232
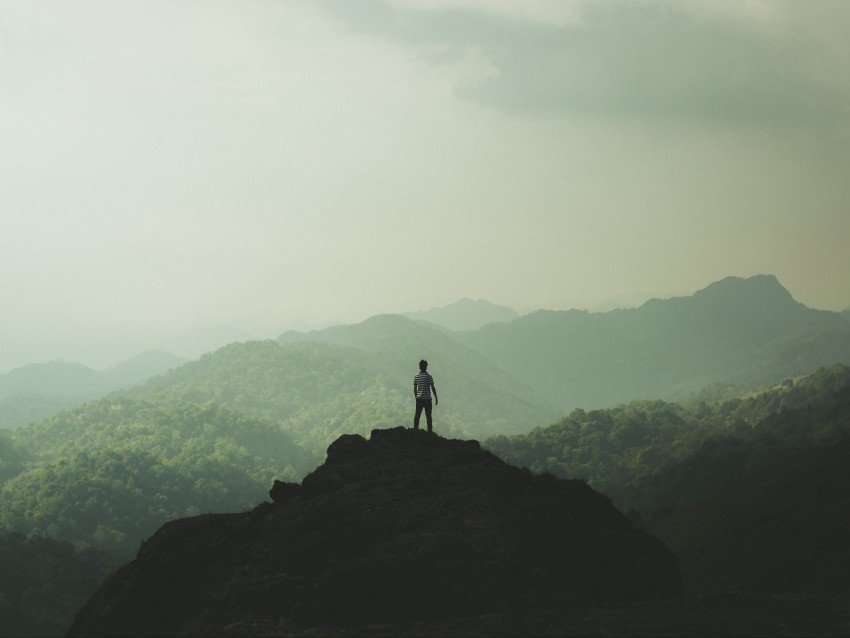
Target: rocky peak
x=759, y=290
x=403, y=530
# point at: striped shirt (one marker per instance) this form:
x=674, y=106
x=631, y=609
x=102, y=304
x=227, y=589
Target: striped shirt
x=422, y=384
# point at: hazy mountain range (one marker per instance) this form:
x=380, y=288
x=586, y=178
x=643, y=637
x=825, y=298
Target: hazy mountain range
x=74, y=379
x=34, y=391
x=466, y=314
x=502, y=373
x=182, y=438
x=747, y=332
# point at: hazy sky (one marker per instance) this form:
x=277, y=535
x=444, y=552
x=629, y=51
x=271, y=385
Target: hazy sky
x=262, y=164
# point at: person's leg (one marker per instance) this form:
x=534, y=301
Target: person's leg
x=419, y=406
x=428, y=414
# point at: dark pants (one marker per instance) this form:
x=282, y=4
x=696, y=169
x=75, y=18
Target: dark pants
x=422, y=404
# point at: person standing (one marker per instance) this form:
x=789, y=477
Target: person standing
x=423, y=387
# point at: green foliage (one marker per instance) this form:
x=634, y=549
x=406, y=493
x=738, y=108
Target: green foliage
x=813, y=412
x=651, y=455
x=320, y=391
x=12, y=458
x=213, y=434
x=44, y=582
x=109, y=473
x=22, y=409
x=313, y=390
x=607, y=448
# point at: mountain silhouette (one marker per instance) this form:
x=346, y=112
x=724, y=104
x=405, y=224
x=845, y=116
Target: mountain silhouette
x=74, y=380
x=37, y=390
x=748, y=332
x=508, y=378
x=54, y=378
x=466, y=314
x=405, y=529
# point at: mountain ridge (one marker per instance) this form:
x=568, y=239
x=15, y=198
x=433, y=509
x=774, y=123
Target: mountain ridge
x=37, y=390
x=403, y=529
x=465, y=314
x=409, y=534
x=355, y=378
x=748, y=332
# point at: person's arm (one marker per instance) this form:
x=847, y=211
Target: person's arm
x=414, y=388
x=434, y=390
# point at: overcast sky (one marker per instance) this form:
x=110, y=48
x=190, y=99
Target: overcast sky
x=264, y=164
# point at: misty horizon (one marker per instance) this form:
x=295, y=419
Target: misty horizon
x=104, y=351
x=106, y=346
x=182, y=167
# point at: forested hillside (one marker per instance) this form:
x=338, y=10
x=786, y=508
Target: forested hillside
x=12, y=458
x=748, y=332
x=655, y=455
x=109, y=473
x=37, y=390
x=318, y=391
x=813, y=413
x=756, y=378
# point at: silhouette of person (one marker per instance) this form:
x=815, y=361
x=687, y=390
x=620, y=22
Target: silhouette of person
x=423, y=386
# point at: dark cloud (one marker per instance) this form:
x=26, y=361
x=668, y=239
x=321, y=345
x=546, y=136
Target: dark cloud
x=655, y=61
x=630, y=59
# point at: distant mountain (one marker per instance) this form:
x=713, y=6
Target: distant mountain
x=68, y=379
x=346, y=379
x=748, y=332
x=406, y=533
x=55, y=378
x=845, y=313
x=140, y=368
x=37, y=390
x=465, y=314
x=506, y=378
x=202, y=338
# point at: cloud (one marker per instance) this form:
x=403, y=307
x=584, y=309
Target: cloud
x=750, y=63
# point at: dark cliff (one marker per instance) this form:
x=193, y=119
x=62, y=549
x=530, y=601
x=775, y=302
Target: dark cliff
x=410, y=534
x=406, y=531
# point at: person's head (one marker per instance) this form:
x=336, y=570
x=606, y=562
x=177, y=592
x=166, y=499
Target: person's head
x=423, y=365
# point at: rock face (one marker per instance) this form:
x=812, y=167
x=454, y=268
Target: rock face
x=405, y=530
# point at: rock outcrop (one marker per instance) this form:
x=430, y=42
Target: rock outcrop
x=406, y=532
